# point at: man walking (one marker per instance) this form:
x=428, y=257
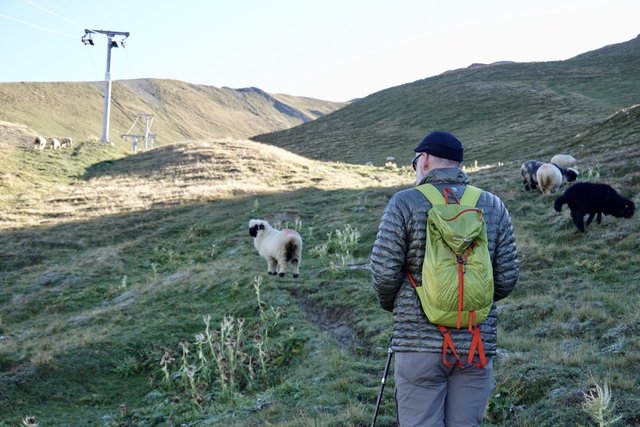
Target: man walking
x=428, y=392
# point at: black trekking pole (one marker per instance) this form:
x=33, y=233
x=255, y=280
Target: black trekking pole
x=382, y=382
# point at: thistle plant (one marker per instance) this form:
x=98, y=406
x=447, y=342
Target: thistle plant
x=262, y=354
x=164, y=365
x=338, y=250
x=221, y=356
x=30, y=421
x=200, y=341
x=184, y=345
x=321, y=252
x=230, y=347
x=210, y=339
x=257, y=282
x=598, y=404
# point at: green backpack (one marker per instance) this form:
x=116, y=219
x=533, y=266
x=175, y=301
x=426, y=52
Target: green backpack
x=457, y=275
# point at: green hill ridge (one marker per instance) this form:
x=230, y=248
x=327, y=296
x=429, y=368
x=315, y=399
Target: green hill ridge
x=511, y=106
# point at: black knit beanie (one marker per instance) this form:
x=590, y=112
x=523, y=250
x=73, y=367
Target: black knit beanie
x=441, y=144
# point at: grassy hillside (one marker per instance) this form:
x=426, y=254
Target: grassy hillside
x=131, y=293
x=181, y=110
x=501, y=112
x=117, y=274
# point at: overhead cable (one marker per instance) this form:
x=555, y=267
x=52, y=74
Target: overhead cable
x=53, y=13
x=37, y=26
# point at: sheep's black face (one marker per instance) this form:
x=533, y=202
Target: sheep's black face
x=253, y=231
x=571, y=175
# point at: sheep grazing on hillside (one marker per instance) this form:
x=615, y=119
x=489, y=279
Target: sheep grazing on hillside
x=563, y=160
x=278, y=247
x=594, y=199
x=55, y=143
x=568, y=174
x=528, y=171
x=39, y=143
x=66, y=142
x=549, y=178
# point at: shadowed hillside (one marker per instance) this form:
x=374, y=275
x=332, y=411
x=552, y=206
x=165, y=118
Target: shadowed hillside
x=525, y=109
x=182, y=110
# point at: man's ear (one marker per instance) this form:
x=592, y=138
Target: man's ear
x=424, y=166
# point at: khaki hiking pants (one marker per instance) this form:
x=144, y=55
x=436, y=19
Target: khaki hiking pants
x=430, y=394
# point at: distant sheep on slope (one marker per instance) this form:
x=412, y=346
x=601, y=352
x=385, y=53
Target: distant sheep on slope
x=66, y=142
x=55, y=143
x=568, y=174
x=528, y=171
x=549, y=178
x=594, y=199
x=563, y=160
x=39, y=143
x=278, y=247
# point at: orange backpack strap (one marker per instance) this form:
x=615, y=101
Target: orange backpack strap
x=413, y=283
x=447, y=344
x=476, y=345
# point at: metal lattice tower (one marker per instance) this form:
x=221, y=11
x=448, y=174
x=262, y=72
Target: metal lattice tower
x=147, y=136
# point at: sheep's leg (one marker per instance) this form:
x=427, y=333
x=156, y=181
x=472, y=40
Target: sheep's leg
x=578, y=219
x=599, y=217
x=296, y=267
x=271, y=266
x=282, y=268
x=590, y=218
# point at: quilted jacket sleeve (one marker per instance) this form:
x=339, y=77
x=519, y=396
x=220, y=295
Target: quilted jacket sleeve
x=505, y=260
x=388, y=254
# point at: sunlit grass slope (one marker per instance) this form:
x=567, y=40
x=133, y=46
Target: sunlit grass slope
x=181, y=110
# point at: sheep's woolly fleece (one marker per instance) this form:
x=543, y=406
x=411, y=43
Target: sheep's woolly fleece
x=279, y=247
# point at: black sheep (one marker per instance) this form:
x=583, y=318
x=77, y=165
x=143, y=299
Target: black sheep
x=594, y=199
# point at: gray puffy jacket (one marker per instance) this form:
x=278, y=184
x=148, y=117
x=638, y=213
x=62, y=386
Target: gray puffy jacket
x=400, y=247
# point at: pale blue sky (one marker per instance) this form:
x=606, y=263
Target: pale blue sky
x=331, y=49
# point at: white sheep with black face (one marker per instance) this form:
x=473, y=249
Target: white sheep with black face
x=278, y=247
x=40, y=142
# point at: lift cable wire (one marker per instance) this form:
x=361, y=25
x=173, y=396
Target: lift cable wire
x=32, y=3
x=37, y=26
